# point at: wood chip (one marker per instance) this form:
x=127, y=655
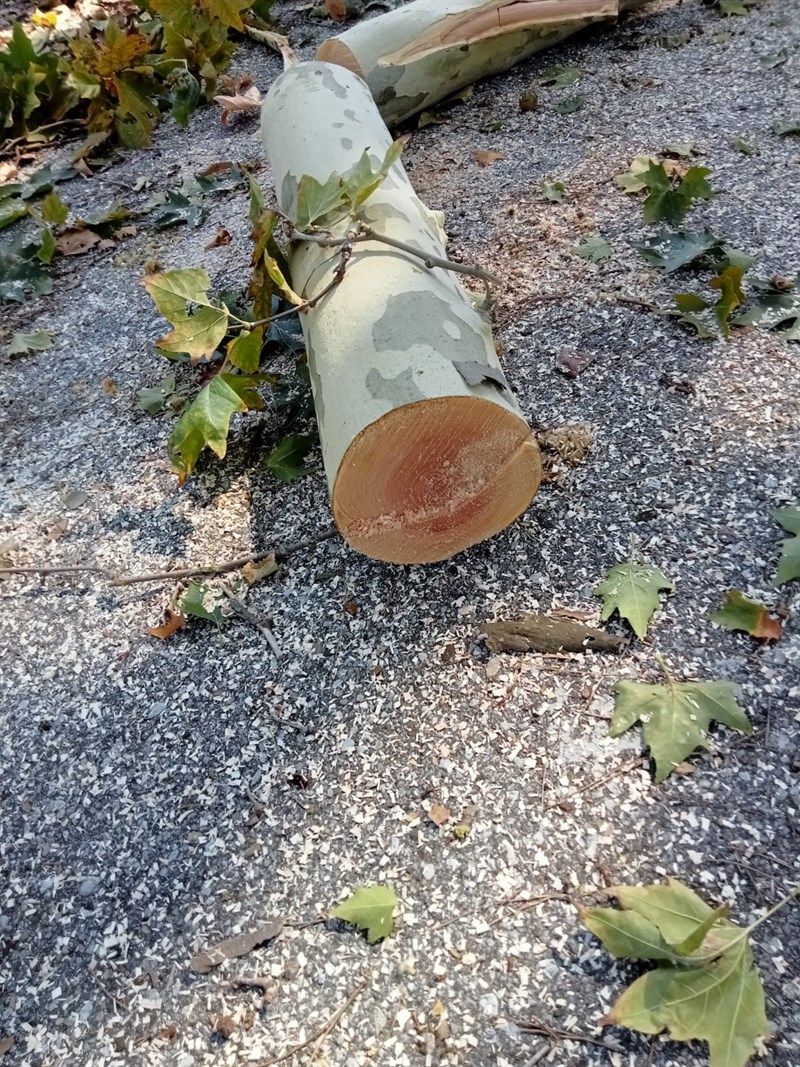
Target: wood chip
x=234, y=947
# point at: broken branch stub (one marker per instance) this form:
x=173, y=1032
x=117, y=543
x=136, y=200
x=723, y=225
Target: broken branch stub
x=422, y=52
x=424, y=455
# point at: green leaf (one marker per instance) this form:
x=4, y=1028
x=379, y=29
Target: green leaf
x=560, y=76
x=204, y=601
x=22, y=273
x=744, y=146
x=632, y=590
x=627, y=935
x=181, y=296
x=671, y=251
x=185, y=98
x=675, y=909
x=732, y=7
x=675, y=717
x=244, y=351
x=739, y=612
x=286, y=459
x=204, y=424
x=682, y=149
x=370, y=908
x=696, y=939
x=21, y=343
x=774, y=308
x=173, y=291
x=553, y=191
x=775, y=58
x=165, y=394
x=731, y=295
x=315, y=200
x=633, y=180
x=54, y=209
x=198, y=335
x=570, y=105
x=789, y=565
x=11, y=210
x=786, y=127
x=174, y=208
x=670, y=201
x=595, y=249
x=282, y=286
x=256, y=201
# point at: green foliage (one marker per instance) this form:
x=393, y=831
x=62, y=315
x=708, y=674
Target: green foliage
x=203, y=601
x=370, y=908
x=122, y=77
x=206, y=422
x=286, y=460
x=595, y=249
x=789, y=565
x=163, y=397
x=632, y=589
x=786, y=127
x=23, y=268
x=181, y=296
x=553, y=191
x=705, y=985
x=739, y=612
x=570, y=105
x=712, y=319
x=560, y=76
x=343, y=194
x=22, y=343
x=670, y=198
x=675, y=717
x=775, y=306
x=731, y=7
x=671, y=251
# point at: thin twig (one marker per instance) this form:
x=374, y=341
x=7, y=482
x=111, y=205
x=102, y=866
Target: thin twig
x=593, y=785
x=186, y=572
x=8, y=145
x=238, y=608
x=345, y=252
x=366, y=233
x=319, y=1034
x=536, y=1026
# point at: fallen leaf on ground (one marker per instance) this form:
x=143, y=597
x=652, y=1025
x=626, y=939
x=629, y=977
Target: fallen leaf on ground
x=595, y=249
x=336, y=10
x=75, y=498
x=438, y=814
x=76, y=241
x=543, y=633
x=485, y=157
x=370, y=908
x=632, y=589
x=254, y=572
x=6, y=1045
x=174, y=622
x=675, y=717
x=21, y=343
x=221, y=237
x=572, y=362
x=57, y=530
x=739, y=612
x=249, y=100
x=789, y=565
x=234, y=947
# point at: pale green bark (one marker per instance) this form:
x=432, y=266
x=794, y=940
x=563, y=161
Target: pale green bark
x=394, y=333
x=420, y=53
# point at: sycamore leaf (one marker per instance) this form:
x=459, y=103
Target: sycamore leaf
x=595, y=249
x=789, y=565
x=744, y=146
x=315, y=200
x=370, y=908
x=775, y=307
x=198, y=335
x=786, y=127
x=21, y=343
x=228, y=12
x=276, y=274
x=203, y=601
x=570, y=105
x=732, y=7
x=165, y=395
x=670, y=251
x=204, y=424
x=486, y=156
x=553, y=191
x=632, y=181
x=731, y=295
x=12, y=209
x=286, y=459
x=675, y=717
x=22, y=273
x=185, y=98
x=670, y=200
x=739, y=612
x=632, y=590
x=711, y=993
x=173, y=291
x=174, y=621
x=248, y=100
x=244, y=351
x=560, y=76
x=181, y=296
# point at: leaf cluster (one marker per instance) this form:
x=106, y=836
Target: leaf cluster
x=341, y=195
x=705, y=985
x=121, y=78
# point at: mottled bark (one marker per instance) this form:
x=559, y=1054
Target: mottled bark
x=420, y=53
x=425, y=448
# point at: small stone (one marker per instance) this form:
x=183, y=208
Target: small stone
x=89, y=886
x=489, y=1005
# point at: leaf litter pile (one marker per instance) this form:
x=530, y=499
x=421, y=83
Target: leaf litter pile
x=320, y=805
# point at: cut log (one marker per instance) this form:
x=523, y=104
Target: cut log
x=418, y=54
x=425, y=448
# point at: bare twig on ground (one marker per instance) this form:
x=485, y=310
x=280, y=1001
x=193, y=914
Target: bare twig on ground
x=319, y=1034
x=597, y=782
x=281, y=553
x=260, y=623
x=536, y=1026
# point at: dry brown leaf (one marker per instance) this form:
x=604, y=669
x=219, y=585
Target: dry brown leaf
x=75, y=241
x=249, y=100
x=572, y=361
x=223, y=1025
x=254, y=572
x=674, y=168
x=175, y=621
x=222, y=237
x=125, y=231
x=229, y=85
x=439, y=814
x=57, y=530
x=336, y=10
x=6, y=1045
x=233, y=947
x=767, y=628
x=109, y=387
x=351, y=607
x=485, y=157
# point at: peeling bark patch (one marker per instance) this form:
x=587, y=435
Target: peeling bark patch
x=402, y=389
x=316, y=385
x=350, y=114
x=417, y=318
x=347, y=143
x=475, y=373
x=414, y=103
x=383, y=212
x=288, y=192
x=452, y=329
x=332, y=85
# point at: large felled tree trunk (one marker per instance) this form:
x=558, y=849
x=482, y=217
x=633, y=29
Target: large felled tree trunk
x=420, y=53
x=425, y=448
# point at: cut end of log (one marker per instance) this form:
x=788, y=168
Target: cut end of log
x=432, y=478
x=333, y=51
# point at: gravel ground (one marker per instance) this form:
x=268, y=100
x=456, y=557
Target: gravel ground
x=159, y=796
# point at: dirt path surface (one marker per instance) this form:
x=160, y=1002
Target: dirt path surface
x=159, y=796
